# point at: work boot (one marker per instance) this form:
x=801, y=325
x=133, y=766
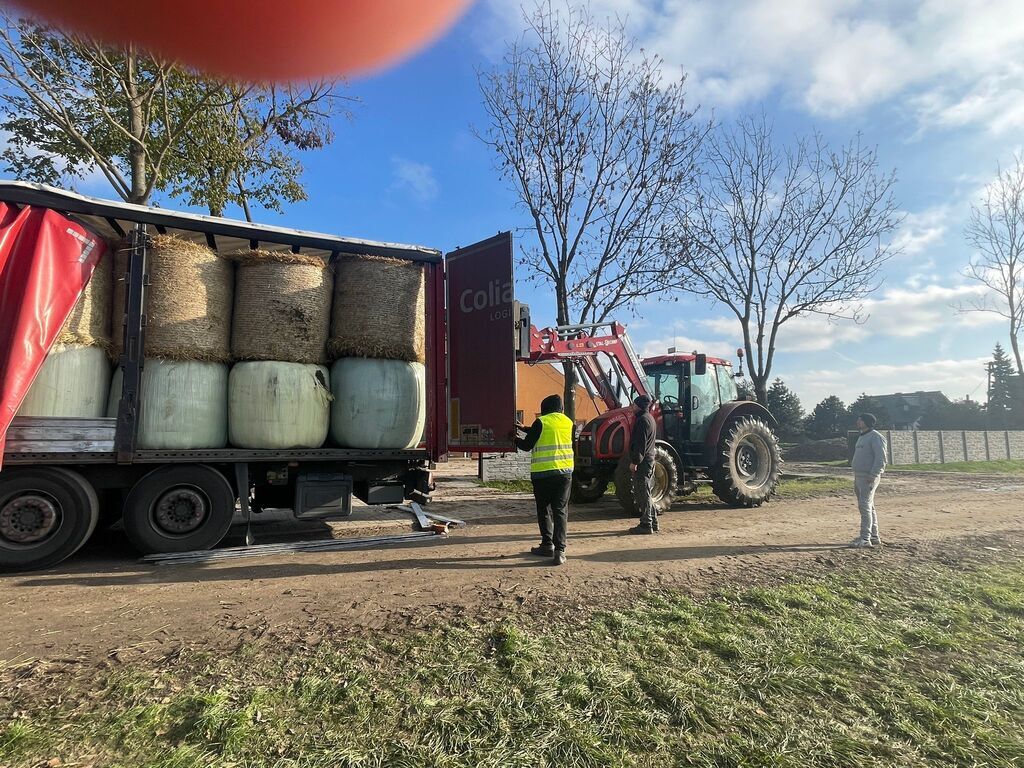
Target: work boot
x=558, y=558
x=642, y=530
x=543, y=551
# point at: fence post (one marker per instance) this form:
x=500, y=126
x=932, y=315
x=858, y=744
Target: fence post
x=988, y=453
x=1006, y=437
x=963, y=436
x=917, y=452
x=942, y=449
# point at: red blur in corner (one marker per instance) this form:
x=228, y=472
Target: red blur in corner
x=45, y=262
x=261, y=40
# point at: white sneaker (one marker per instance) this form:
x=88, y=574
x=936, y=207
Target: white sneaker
x=876, y=541
x=860, y=543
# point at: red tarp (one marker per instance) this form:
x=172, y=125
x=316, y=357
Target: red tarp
x=45, y=262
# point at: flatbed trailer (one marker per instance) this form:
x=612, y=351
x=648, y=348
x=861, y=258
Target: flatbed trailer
x=60, y=477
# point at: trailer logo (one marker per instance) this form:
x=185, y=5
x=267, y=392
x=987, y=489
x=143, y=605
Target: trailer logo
x=88, y=244
x=497, y=298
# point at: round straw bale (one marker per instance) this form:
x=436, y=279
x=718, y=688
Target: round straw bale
x=379, y=309
x=282, y=307
x=89, y=321
x=188, y=301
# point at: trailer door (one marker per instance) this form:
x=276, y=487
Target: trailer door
x=482, y=344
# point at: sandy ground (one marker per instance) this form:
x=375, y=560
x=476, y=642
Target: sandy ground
x=104, y=604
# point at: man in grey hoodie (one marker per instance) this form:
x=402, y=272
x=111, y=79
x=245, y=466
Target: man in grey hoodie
x=868, y=466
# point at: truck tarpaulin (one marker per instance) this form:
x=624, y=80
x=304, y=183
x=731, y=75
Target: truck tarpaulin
x=46, y=261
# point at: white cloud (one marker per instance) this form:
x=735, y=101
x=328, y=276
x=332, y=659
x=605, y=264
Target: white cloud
x=922, y=230
x=951, y=63
x=416, y=179
x=685, y=344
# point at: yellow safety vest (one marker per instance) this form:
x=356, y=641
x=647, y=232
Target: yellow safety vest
x=552, y=455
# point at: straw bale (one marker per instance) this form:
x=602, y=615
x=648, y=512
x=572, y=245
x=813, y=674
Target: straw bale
x=89, y=321
x=282, y=307
x=379, y=309
x=188, y=301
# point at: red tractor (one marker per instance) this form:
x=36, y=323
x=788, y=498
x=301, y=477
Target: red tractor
x=706, y=434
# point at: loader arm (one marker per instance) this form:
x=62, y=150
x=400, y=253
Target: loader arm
x=584, y=345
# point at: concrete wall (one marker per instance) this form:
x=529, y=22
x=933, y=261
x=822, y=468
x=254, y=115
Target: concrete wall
x=506, y=466
x=946, y=446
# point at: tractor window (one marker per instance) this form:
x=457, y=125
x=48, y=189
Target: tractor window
x=726, y=384
x=664, y=386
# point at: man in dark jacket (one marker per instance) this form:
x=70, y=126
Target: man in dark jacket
x=549, y=440
x=641, y=465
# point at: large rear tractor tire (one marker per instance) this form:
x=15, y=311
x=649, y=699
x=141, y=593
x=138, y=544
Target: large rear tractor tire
x=749, y=465
x=587, y=490
x=46, y=515
x=179, y=508
x=663, y=489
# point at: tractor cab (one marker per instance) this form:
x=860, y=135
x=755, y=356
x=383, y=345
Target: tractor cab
x=690, y=389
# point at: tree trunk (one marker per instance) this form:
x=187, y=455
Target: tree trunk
x=760, y=389
x=137, y=128
x=569, y=391
x=1015, y=346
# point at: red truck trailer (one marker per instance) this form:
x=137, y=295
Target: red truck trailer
x=61, y=477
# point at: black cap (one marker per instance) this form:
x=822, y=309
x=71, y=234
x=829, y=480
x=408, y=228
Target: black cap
x=643, y=402
x=868, y=419
x=551, y=404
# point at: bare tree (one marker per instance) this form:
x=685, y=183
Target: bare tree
x=777, y=233
x=996, y=230
x=598, y=148
x=73, y=106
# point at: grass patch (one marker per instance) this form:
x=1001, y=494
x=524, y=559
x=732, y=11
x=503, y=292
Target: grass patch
x=994, y=467
x=865, y=667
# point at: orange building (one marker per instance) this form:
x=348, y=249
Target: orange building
x=535, y=382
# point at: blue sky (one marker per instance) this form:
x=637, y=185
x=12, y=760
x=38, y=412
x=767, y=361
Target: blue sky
x=937, y=86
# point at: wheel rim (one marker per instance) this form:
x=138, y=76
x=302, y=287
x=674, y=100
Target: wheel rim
x=753, y=461
x=660, y=485
x=29, y=518
x=181, y=510
x=590, y=484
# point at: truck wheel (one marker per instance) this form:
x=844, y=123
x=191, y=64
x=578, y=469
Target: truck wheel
x=46, y=515
x=663, y=488
x=750, y=463
x=179, y=508
x=588, y=490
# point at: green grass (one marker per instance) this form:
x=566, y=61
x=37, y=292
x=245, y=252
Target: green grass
x=794, y=488
x=993, y=467
x=920, y=667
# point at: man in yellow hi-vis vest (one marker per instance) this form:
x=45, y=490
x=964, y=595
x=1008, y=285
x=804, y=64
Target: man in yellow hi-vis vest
x=549, y=439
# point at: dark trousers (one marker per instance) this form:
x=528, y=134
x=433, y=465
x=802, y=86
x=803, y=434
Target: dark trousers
x=552, y=496
x=642, y=493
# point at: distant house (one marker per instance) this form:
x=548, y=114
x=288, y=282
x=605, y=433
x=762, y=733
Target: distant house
x=906, y=409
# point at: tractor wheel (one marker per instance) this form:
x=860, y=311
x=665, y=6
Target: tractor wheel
x=588, y=490
x=750, y=463
x=663, y=487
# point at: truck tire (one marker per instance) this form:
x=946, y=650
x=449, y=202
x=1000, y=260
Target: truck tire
x=46, y=515
x=663, y=491
x=749, y=465
x=588, y=490
x=179, y=508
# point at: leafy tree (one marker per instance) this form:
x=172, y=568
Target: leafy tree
x=830, y=418
x=785, y=407
x=72, y=106
x=959, y=414
x=1003, y=407
x=597, y=147
x=778, y=232
x=868, y=404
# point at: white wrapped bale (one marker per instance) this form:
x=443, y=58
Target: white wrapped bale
x=71, y=384
x=278, y=405
x=184, y=404
x=378, y=403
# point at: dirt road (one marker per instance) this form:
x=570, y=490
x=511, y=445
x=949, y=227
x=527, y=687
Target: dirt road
x=104, y=604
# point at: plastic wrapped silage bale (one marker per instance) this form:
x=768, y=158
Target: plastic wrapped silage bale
x=184, y=404
x=71, y=384
x=276, y=405
x=377, y=403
